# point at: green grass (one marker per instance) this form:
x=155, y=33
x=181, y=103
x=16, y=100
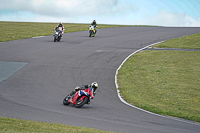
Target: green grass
x=164, y=82
x=9, y=125
x=187, y=42
x=20, y=30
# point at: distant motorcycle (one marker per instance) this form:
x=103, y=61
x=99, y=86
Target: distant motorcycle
x=58, y=34
x=92, y=31
x=80, y=98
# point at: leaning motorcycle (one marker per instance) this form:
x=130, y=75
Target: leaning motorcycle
x=92, y=31
x=58, y=34
x=80, y=98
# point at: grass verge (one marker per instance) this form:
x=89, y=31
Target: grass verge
x=187, y=42
x=9, y=125
x=164, y=82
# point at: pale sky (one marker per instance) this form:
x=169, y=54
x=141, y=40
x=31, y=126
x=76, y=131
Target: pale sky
x=175, y=13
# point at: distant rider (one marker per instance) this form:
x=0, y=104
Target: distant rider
x=60, y=27
x=94, y=23
x=94, y=86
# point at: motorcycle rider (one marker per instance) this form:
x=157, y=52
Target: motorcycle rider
x=61, y=27
x=94, y=86
x=94, y=23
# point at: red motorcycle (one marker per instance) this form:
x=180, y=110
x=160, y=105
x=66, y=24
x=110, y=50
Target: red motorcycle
x=80, y=98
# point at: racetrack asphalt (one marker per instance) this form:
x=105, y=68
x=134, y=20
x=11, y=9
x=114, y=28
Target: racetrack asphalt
x=53, y=69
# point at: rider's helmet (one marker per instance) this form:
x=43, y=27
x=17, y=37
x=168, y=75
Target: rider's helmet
x=94, y=85
x=94, y=21
x=60, y=24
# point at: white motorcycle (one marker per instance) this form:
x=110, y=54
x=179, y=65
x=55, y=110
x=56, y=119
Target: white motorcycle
x=58, y=34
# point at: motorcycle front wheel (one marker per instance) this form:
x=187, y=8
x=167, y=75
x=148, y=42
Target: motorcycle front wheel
x=54, y=39
x=90, y=33
x=65, y=100
x=80, y=103
x=59, y=38
x=93, y=33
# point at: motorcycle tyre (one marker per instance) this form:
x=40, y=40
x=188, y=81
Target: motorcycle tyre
x=65, y=102
x=93, y=34
x=54, y=39
x=90, y=34
x=84, y=101
x=59, y=38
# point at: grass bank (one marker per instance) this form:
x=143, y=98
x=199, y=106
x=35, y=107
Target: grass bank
x=20, y=30
x=9, y=125
x=164, y=82
x=187, y=42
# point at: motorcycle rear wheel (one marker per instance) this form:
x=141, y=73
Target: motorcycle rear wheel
x=80, y=103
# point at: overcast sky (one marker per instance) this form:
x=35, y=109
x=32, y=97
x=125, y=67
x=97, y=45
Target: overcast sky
x=182, y=13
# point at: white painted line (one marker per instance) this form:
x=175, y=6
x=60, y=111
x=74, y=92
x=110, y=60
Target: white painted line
x=38, y=37
x=99, y=50
x=128, y=58
x=182, y=120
